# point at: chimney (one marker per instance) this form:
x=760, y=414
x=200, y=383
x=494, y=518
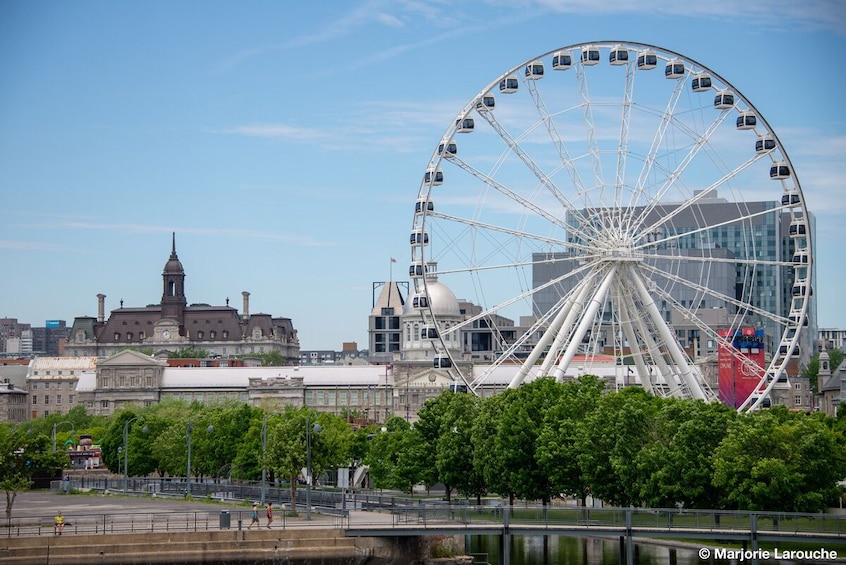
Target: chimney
x=101, y=308
x=246, y=313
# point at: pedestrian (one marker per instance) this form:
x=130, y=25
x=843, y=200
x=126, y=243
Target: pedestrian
x=269, y=513
x=254, y=517
x=60, y=522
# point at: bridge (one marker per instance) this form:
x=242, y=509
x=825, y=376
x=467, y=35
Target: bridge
x=747, y=528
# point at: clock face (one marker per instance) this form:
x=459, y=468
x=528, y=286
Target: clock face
x=166, y=334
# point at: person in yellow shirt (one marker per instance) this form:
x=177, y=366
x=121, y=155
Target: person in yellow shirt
x=60, y=523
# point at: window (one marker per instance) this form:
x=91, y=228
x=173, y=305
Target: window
x=797, y=386
x=46, y=399
x=58, y=399
x=70, y=399
x=797, y=400
x=104, y=404
x=34, y=400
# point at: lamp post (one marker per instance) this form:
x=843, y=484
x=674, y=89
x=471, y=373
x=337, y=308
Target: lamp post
x=263, y=454
x=56, y=425
x=188, y=469
x=317, y=428
x=126, y=450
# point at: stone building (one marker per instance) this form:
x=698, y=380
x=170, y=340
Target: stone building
x=51, y=383
x=173, y=324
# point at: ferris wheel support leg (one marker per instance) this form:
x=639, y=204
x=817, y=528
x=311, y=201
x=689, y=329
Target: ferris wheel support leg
x=587, y=320
x=567, y=326
x=553, y=331
x=634, y=348
x=672, y=345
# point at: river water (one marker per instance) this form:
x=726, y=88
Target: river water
x=564, y=550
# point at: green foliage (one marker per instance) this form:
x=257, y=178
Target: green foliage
x=540, y=441
x=188, y=353
x=812, y=369
x=780, y=460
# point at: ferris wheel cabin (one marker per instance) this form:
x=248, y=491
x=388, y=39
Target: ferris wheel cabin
x=701, y=82
x=618, y=55
x=797, y=228
x=764, y=143
x=790, y=198
x=464, y=125
x=590, y=55
x=747, y=120
x=534, y=70
x=508, y=85
x=674, y=69
x=420, y=302
x=723, y=100
x=448, y=150
x=440, y=362
x=562, y=61
x=428, y=332
x=424, y=205
x=780, y=170
x=647, y=60
x=419, y=237
x=434, y=178
x=485, y=103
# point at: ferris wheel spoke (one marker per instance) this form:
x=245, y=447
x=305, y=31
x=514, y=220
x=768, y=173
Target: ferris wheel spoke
x=590, y=129
x=674, y=175
x=696, y=199
x=657, y=141
x=483, y=226
x=744, y=307
x=745, y=218
x=555, y=137
x=527, y=160
x=530, y=206
x=623, y=144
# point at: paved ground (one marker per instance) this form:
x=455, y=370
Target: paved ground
x=46, y=503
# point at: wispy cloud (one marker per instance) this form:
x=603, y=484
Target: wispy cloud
x=811, y=14
x=18, y=245
x=215, y=232
x=371, y=125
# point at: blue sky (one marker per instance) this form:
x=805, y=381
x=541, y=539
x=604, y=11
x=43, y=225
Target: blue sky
x=284, y=142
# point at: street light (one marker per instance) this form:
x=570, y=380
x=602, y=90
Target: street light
x=317, y=428
x=73, y=431
x=188, y=471
x=126, y=450
x=263, y=456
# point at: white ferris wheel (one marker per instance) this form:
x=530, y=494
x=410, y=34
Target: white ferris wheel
x=612, y=202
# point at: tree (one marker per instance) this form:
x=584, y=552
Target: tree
x=812, y=369
x=188, y=353
x=611, y=438
x=383, y=453
x=779, y=460
x=288, y=444
x=557, y=451
x=14, y=473
x=678, y=467
x=520, y=425
x=487, y=460
x=454, y=457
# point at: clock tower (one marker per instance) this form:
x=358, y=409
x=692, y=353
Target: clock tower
x=173, y=295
